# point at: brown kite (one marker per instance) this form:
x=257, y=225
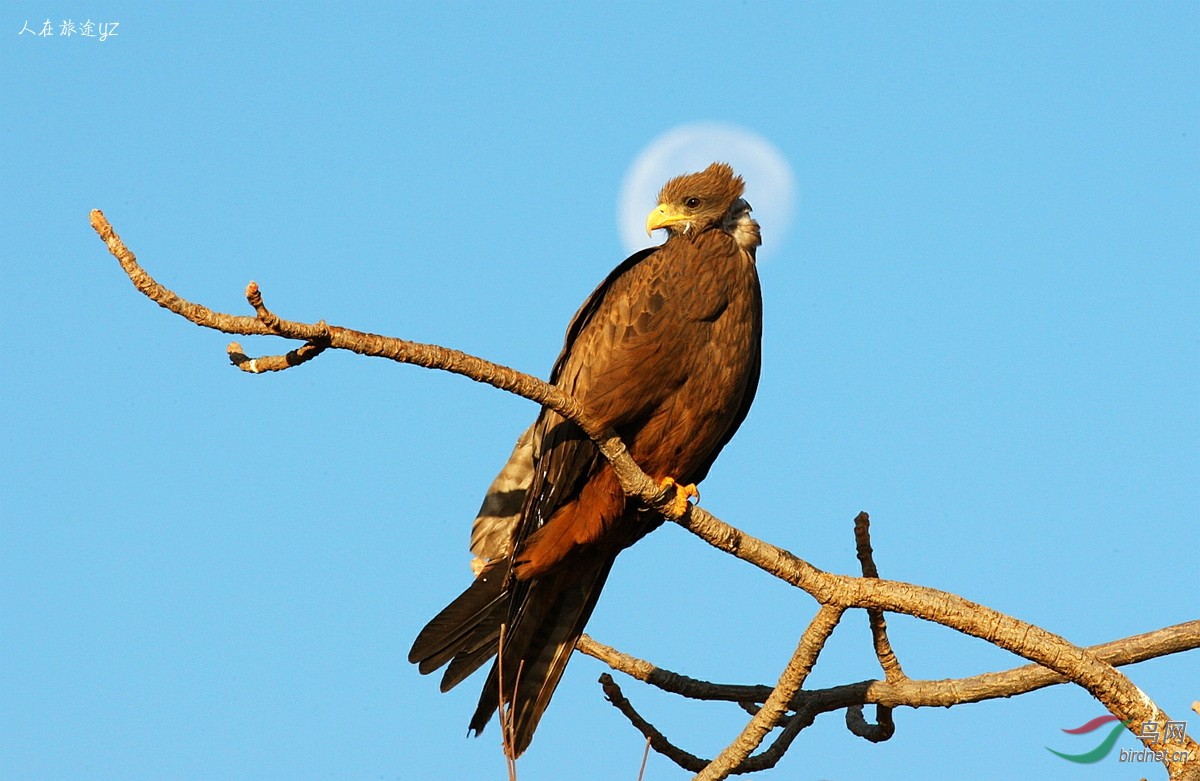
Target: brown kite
x=666, y=351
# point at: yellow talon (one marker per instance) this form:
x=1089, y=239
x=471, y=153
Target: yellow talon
x=679, y=502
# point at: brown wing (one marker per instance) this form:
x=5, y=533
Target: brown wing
x=601, y=335
x=496, y=525
x=584, y=315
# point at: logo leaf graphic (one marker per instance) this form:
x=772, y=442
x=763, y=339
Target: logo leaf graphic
x=1099, y=721
x=1099, y=752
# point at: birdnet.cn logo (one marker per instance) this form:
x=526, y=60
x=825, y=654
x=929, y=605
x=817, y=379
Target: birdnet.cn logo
x=1152, y=732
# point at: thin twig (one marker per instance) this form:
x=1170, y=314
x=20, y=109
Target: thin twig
x=645, y=758
x=275, y=363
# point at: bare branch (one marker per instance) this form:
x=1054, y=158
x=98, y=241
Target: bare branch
x=881, y=730
x=884, y=726
x=866, y=557
x=635, y=482
x=909, y=692
x=274, y=363
x=657, y=740
x=774, y=710
x=1115, y=691
x=835, y=593
x=373, y=345
x=668, y=681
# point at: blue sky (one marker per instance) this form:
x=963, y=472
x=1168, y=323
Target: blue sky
x=981, y=328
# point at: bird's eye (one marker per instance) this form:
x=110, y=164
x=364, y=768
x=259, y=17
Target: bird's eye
x=692, y=202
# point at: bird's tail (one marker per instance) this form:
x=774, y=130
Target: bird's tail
x=542, y=619
x=538, y=641
x=465, y=633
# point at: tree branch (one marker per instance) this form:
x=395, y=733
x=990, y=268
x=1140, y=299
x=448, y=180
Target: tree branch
x=1115, y=691
x=911, y=693
x=635, y=482
x=774, y=710
x=658, y=741
x=884, y=727
x=835, y=593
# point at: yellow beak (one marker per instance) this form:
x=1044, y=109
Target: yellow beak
x=663, y=216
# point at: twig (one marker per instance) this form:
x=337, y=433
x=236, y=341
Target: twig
x=668, y=681
x=883, y=647
x=274, y=363
x=645, y=758
x=884, y=726
x=657, y=740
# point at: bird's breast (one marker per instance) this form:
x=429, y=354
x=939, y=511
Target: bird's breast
x=715, y=356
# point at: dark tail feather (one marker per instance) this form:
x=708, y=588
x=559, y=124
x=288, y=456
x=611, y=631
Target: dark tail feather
x=538, y=643
x=466, y=629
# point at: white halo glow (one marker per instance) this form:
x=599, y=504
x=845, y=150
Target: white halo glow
x=770, y=186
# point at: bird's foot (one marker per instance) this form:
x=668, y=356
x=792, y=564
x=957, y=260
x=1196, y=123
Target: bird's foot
x=679, y=502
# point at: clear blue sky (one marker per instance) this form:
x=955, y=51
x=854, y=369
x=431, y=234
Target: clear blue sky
x=982, y=328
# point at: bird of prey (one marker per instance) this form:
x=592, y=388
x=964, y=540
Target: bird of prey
x=666, y=352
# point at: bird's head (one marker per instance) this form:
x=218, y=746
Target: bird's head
x=691, y=204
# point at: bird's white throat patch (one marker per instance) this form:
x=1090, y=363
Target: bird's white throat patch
x=741, y=226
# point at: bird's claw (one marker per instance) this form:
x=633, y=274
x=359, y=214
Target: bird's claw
x=679, y=502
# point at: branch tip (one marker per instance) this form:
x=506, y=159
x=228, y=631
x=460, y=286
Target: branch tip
x=100, y=224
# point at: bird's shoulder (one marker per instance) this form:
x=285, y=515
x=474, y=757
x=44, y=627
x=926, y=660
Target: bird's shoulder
x=603, y=298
